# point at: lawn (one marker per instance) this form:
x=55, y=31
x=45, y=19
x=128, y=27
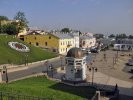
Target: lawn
x=8, y=55
x=40, y=86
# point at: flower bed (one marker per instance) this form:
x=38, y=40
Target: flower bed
x=19, y=46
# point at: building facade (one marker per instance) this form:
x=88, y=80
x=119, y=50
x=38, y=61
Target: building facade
x=124, y=44
x=87, y=41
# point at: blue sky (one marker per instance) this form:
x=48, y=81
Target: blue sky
x=97, y=16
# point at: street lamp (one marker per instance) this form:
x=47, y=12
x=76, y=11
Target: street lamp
x=46, y=63
x=5, y=71
x=93, y=69
x=26, y=59
x=61, y=57
x=51, y=70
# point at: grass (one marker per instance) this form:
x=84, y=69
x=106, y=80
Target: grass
x=8, y=55
x=40, y=86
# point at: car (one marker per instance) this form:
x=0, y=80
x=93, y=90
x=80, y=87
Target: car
x=130, y=62
x=95, y=50
x=83, y=49
x=131, y=70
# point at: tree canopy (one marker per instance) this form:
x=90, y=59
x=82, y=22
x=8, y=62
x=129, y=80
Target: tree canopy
x=65, y=30
x=112, y=36
x=121, y=36
x=10, y=29
x=98, y=36
x=3, y=18
x=23, y=23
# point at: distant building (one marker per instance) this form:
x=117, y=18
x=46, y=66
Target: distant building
x=87, y=41
x=124, y=44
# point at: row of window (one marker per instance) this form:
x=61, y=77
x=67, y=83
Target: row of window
x=63, y=49
x=36, y=38
x=67, y=42
x=84, y=42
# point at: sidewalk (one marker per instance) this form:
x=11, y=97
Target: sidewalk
x=126, y=88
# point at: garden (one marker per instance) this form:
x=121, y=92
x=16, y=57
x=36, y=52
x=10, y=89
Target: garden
x=15, y=51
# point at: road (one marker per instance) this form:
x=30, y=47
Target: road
x=32, y=69
x=36, y=68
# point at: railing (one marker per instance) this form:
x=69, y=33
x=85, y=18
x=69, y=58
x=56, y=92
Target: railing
x=11, y=96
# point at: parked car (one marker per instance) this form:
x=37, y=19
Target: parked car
x=131, y=70
x=94, y=50
x=130, y=62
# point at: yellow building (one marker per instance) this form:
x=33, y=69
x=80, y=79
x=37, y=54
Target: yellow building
x=59, y=43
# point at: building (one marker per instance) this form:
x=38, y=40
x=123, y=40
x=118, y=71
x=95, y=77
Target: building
x=123, y=44
x=56, y=42
x=87, y=41
x=75, y=65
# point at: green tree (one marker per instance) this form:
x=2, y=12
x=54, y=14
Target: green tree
x=121, y=36
x=130, y=36
x=98, y=36
x=65, y=30
x=111, y=36
x=10, y=29
x=23, y=23
x=3, y=18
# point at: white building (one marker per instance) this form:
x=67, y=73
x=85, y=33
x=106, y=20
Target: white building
x=75, y=65
x=87, y=41
x=124, y=44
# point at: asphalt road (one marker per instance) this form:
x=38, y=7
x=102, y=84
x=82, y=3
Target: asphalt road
x=32, y=69
x=36, y=68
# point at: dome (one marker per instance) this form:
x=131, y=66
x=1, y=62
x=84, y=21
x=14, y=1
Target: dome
x=75, y=53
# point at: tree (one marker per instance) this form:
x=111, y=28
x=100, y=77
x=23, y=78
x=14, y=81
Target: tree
x=3, y=18
x=130, y=36
x=98, y=36
x=112, y=36
x=65, y=30
x=22, y=21
x=10, y=29
x=121, y=36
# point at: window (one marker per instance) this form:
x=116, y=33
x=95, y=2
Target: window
x=37, y=43
x=78, y=63
x=70, y=63
x=83, y=42
x=49, y=37
x=46, y=43
x=29, y=42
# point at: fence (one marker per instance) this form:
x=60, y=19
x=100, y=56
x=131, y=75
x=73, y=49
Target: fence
x=10, y=96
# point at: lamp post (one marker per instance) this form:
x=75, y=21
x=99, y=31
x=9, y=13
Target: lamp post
x=5, y=70
x=51, y=70
x=46, y=63
x=61, y=63
x=93, y=69
x=26, y=59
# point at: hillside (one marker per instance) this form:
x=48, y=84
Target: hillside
x=11, y=56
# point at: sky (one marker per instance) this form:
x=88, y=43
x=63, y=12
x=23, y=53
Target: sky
x=96, y=16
